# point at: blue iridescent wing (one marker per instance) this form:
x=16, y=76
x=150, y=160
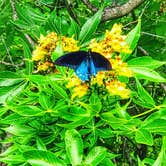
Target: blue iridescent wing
x=71, y=60
x=82, y=70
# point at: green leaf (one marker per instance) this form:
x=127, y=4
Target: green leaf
x=143, y=136
x=160, y=161
x=144, y=97
x=113, y=121
x=40, y=144
x=145, y=61
x=156, y=126
x=95, y=156
x=59, y=91
x=42, y=158
x=45, y=101
x=76, y=123
x=27, y=58
x=74, y=146
x=8, y=93
x=74, y=28
x=20, y=130
x=58, y=51
x=72, y=113
x=90, y=27
x=28, y=110
x=8, y=78
x=132, y=39
x=147, y=73
x=160, y=114
x=95, y=102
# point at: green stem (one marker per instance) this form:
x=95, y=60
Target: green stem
x=148, y=111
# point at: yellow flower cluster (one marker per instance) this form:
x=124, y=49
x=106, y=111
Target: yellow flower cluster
x=69, y=44
x=112, y=42
x=42, y=53
x=79, y=88
x=120, y=67
x=116, y=87
x=45, y=47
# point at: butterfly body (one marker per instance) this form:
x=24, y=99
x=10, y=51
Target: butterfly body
x=85, y=64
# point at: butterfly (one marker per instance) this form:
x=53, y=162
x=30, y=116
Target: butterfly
x=85, y=64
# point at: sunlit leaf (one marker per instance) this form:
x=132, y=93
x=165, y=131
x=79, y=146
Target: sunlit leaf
x=145, y=61
x=144, y=137
x=95, y=156
x=90, y=27
x=42, y=158
x=132, y=39
x=148, y=74
x=74, y=146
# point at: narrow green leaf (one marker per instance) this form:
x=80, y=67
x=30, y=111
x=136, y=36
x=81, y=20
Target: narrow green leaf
x=90, y=27
x=10, y=81
x=45, y=101
x=160, y=161
x=143, y=136
x=96, y=155
x=74, y=29
x=145, y=61
x=8, y=93
x=76, y=123
x=27, y=58
x=28, y=110
x=59, y=91
x=148, y=74
x=40, y=144
x=74, y=146
x=20, y=130
x=42, y=158
x=132, y=39
x=144, y=96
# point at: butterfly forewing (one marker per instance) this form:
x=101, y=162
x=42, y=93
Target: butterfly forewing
x=100, y=62
x=71, y=60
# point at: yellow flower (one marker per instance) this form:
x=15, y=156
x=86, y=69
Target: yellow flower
x=69, y=44
x=74, y=81
x=112, y=42
x=38, y=54
x=118, y=88
x=79, y=91
x=116, y=29
x=44, y=66
x=99, y=78
x=120, y=67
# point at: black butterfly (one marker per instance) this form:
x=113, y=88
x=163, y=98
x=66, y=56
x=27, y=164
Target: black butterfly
x=85, y=64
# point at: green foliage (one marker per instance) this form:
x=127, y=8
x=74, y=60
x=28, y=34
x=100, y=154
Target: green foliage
x=40, y=125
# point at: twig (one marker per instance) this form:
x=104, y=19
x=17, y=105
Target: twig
x=118, y=11
x=150, y=34
x=72, y=14
x=143, y=50
x=7, y=50
x=15, y=17
x=9, y=64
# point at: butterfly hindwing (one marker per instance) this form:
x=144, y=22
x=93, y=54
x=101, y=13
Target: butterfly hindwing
x=82, y=70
